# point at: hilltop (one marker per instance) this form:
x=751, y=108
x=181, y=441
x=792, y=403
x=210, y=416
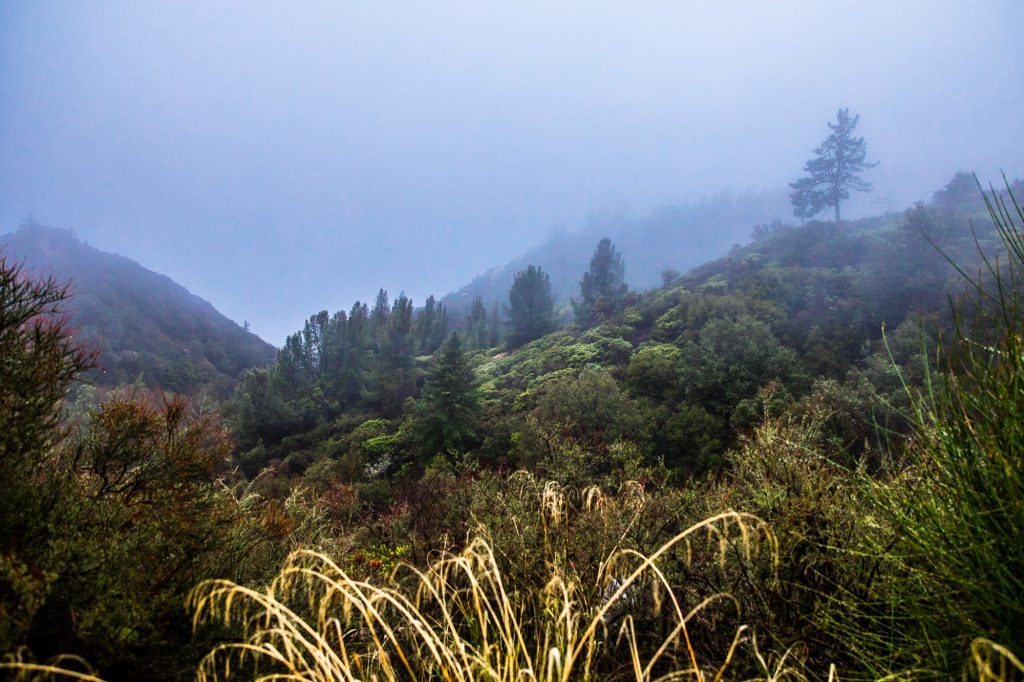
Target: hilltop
x=672, y=238
x=144, y=325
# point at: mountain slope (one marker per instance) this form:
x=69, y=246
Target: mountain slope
x=675, y=237
x=142, y=323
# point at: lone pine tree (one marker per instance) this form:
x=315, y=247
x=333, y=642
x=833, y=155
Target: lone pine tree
x=834, y=170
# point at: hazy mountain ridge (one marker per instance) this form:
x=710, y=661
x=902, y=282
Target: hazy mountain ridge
x=677, y=237
x=142, y=323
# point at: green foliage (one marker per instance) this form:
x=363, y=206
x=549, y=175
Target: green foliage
x=531, y=308
x=692, y=439
x=448, y=409
x=589, y=409
x=784, y=472
x=477, y=327
x=38, y=361
x=955, y=561
x=731, y=359
x=654, y=372
x=603, y=286
x=431, y=326
x=105, y=526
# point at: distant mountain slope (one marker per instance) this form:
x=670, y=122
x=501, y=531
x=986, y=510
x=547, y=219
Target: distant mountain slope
x=676, y=237
x=143, y=323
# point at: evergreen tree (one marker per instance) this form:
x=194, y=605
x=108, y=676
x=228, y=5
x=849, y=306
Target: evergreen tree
x=834, y=170
x=603, y=287
x=476, y=324
x=379, y=313
x=493, y=327
x=431, y=326
x=438, y=330
x=397, y=344
x=448, y=407
x=424, y=325
x=358, y=325
x=531, y=308
x=394, y=377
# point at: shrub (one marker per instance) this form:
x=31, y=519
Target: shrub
x=955, y=569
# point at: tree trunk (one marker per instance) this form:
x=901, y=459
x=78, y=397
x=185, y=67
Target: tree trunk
x=835, y=199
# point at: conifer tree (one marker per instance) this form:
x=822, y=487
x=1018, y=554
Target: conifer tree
x=439, y=329
x=531, y=308
x=834, y=170
x=476, y=324
x=425, y=324
x=395, y=378
x=358, y=326
x=448, y=407
x=603, y=287
x=379, y=313
x=494, y=326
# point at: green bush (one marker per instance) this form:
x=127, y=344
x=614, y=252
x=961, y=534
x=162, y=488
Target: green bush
x=954, y=571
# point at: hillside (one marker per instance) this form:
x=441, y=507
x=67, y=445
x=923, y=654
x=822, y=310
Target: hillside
x=672, y=238
x=142, y=323
x=791, y=320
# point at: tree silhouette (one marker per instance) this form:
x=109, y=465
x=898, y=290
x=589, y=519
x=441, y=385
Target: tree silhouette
x=834, y=170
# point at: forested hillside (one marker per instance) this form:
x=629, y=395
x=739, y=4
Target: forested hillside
x=145, y=327
x=791, y=320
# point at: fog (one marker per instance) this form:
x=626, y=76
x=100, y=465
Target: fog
x=281, y=158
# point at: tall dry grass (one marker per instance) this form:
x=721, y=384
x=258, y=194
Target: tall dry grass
x=460, y=620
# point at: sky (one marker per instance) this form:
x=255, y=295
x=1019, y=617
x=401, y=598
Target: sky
x=282, y=158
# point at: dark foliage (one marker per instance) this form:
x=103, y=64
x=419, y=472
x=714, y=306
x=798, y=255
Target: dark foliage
x=531, y=308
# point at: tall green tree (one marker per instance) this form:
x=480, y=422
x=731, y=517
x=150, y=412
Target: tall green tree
x=448, y=407
x=834, y=170
x=379, y=313
x=395, y=378
x=494, y=326
x=603, y=287
x=476, y=324
x=531, y=308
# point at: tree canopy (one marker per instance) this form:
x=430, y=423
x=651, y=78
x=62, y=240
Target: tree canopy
x=834, y=170
x=603, y=286
x=448, y=406
x=531, y=308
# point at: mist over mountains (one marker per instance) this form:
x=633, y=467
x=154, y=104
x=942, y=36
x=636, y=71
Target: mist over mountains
x=675, y=238
x=280, y=161
x=147, y=328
